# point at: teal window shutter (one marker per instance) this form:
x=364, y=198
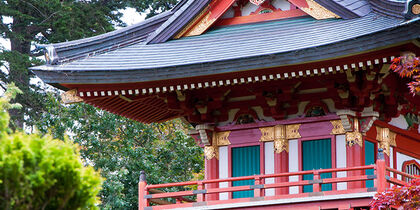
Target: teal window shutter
x=369, y=160
x=316, y=154
x=245, y=162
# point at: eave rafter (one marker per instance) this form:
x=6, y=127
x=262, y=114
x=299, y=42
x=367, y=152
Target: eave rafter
x=359, y=81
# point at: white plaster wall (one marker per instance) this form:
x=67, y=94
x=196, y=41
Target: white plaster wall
x=223, y=170
x=281, y=4
x=293, y=164
x=341, y=158
x=269, y=165
x=248, y=8
x=399, y=122
x=401, y=158
x=391, y=157
x=391, y=161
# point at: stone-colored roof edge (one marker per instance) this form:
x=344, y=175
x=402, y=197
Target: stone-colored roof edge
x=347, y=9
x=177, y=21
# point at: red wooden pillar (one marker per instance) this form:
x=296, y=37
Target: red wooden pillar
x=355, y=158
x=281, y=165
x=212, y=172
x=142, y=191
x=381, y=183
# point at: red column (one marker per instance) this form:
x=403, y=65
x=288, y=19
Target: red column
x=142, y=191
x=281, y=165
x=212, y=172
x=381, y=183
x=355, y=158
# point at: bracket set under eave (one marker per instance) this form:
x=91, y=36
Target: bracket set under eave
x=356, y=123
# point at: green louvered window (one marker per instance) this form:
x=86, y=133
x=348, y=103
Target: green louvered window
x=316, y=154
x=369, y=160
x=245, y=162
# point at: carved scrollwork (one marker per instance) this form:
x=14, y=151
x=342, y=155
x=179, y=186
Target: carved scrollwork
x=353, y=138
x=281, y=145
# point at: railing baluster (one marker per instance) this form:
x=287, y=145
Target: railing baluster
x=257, y=189
x=200, y=196
x=316, y=185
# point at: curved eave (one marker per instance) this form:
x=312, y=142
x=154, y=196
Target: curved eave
x=404, y=33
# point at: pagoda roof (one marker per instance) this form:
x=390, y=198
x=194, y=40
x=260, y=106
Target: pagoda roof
x=236, y=48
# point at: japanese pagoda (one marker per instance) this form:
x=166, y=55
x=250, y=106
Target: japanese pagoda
x=292, y=100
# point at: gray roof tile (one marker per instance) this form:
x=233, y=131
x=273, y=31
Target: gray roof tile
x=235, y=48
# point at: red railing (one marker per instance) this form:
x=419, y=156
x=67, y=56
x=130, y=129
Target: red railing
x=197, y=191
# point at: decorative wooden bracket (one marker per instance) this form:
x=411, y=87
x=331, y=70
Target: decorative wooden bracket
x=280, y=134
x=70, y=97
x=386, y=139
x=205, y=132
x=355, y=124
x=218, y=139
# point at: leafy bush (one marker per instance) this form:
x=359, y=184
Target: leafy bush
x=407, y=197
x=41, y=172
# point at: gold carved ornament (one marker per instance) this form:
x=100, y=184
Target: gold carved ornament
x=211, y=152
x=416, y=9
x=386, y=139
x=354, y=137
x=221, y=138
x=338, y=127
x=71, y=97
x=218, y=139
x=280, y=134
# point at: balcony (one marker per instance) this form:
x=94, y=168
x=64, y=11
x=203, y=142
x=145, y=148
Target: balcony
x=207, y=194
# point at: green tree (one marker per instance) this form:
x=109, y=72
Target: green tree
x=121, y=148
x=41, y=172
x=51, y=21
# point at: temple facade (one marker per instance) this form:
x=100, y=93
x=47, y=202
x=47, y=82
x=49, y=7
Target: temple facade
x=292, y=101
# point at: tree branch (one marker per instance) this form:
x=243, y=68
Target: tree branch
x=45, y=16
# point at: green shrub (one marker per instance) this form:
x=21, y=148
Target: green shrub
x=43, y=173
